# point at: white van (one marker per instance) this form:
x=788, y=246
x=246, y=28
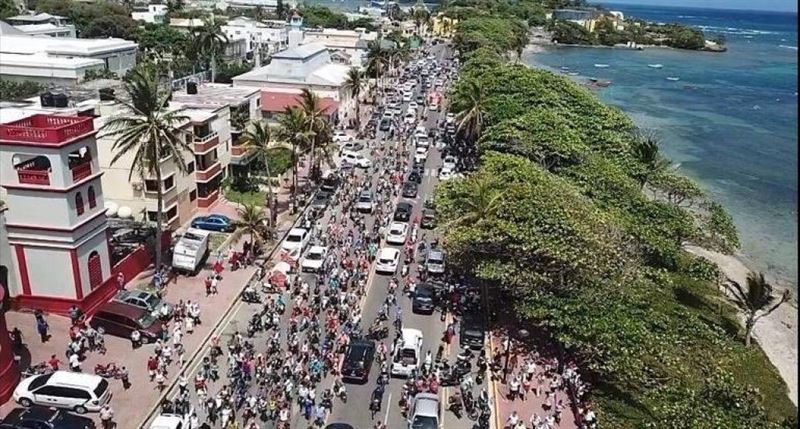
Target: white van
x=408, y=352
x=190, y=250
x=64, y=389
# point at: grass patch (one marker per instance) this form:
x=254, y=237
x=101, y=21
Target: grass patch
x=247, y=197
x=215, y=240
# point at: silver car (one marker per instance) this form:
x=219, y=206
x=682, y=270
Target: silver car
x=146, y=300
x=424, y=413
x=364, y=203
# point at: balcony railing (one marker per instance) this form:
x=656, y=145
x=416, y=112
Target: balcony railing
x=46, y=129
x=34, y=177
x=205, y=143
x=209, y=173
x=240, y=150
x=208, y=200
x=81, y=171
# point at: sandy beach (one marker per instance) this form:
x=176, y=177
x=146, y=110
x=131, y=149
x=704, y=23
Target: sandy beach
x=776, y=333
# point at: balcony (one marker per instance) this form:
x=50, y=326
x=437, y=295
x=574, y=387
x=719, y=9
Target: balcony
x=208, y=200
x=46, y=129
x=241, y=155
x=209, y=173
x=34, y=177
x=205, y=143
x=81, y=171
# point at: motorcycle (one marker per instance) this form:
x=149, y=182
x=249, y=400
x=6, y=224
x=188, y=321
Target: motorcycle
x=378, y=333
x=109, y=370
x=377, y=399
x=454, y=404
x=250, y=296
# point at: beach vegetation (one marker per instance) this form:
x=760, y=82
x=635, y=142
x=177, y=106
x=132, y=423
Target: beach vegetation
x=11, y=90
x=756, y=300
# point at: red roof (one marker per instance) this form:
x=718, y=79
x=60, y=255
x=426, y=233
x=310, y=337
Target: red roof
x=276, y=102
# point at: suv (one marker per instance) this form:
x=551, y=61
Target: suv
x=37, y=417
x=424, y=412
x=120, y=319
x=428, y=219
x=403, y=211
x=424, y=299
x=435, y=262
x=358, y=361
x=472, y=332
x=64, y=389
x=364, y=202
x=330, y=183
x=410, y=189
x=146, y=300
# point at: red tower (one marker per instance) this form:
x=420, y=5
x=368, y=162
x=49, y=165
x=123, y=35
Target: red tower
x=9, y=374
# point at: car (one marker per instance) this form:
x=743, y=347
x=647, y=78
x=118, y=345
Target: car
x=385, y=125
x=76, y=391
x=120, y=320
x=410, y=189
x=420, y=155
x=406, y=358
x=449, y=162
x=415, y=176
x=410, y=118
x=472, y=331
x=358, y=361
x=320, y=201
x=407, y=96
x=423, y=301
x=451, y=129
x=403, y=211
x=339, y=136
x=38, y=417
x=355, y=158
x=388, y=260
x=397, y=233
x=425, y=412
x=364, y=203
x=146, y=300
x=353, y=146
x=398, y=110
x=420, y=99
x=214, y=222
x=171, y=421
x=433, y=107
x=339, y=426
x=422, y=141
x=434, y=263
x=314, y=259
x=296, y=241
x=330, y=181
x=446, y=174
x=428, y=219
x=413, y=105
x=388, y=114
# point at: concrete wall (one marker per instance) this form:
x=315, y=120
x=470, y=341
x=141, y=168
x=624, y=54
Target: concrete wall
x=56, y=279
x=7, y=259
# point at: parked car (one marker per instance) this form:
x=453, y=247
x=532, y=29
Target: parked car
x=330, y=181
x=146, y=300
x=64, y=389
x=353, y=146
x=38, y=417
x=410, y=189
x=472, y=331
x=358, y=361
x=434, y=263
x=120, y=319
x=425, y=412
x=388, y=260
x=214, y=222
x=191, y=250
x=385, y=125
x=397, y=233
x=446, y=174
x=428, y=219
x=339, y=136
x=403, y=211
x=415, y=176
x=449, y=162
x=296, y=241
x=314, y=259
x=424, y=299
x=356, y=159
x=170, y=421
x=320, y=201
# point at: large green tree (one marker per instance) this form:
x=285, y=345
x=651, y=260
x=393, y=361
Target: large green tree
x=211, y=41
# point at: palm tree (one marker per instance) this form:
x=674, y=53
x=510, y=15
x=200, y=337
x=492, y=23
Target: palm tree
x=471, y=115
x=353, y=85
x=254, y=222
x=483, y=201
x=315, y=122
x=756, y=302
x=645, y=150
x=292, y=129
x=446, y=26
x=377, y=60
x=257, y=138
x=420, y=16
x=211, y=41
x=149, y=132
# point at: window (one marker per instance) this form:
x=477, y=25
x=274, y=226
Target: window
x=95, y=270
x=76, y=393
x=150, y=185
x=169, y=183
x=79, y=203
x=190, y=167
x=92, y=197
x=193, y=195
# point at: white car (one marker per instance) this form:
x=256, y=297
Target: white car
x=421, y=155
x=421, y=130
x=410, y=118
x=406, y=358
x=64, y=389
x=450, y=118
x=314, y=259
x=388, y=260
x=295, y=242
x=413, y=105
x=364, y=202
x=422, y=141
x=356, y=159
x=449, y=163
x=398, y=110
x=171, y=421
x=388, y=114
x=446, y=174
x=433, y=107
x=397, y=233
x=340, y=136
x=407, y=96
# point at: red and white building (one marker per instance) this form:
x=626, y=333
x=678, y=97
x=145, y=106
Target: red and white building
x=55, y=251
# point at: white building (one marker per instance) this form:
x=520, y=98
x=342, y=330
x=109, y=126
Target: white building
x=63, y=60
x=270, y=37
x=154, y=14
x=354, y=44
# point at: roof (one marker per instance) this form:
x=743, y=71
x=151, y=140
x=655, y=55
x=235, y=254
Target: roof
x=274, y=101
x=217, y=94
x=301, y=51
x=7, y=29
x=76, y=378
x=39, y=17
x=389, y=252
x=27, y=44
x=116, y=307
x=166, y=421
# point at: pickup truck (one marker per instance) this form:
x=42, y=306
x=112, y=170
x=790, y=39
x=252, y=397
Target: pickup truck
x=190, y=250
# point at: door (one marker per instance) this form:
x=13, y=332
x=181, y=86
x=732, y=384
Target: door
x=95, y=270
x=52, y=396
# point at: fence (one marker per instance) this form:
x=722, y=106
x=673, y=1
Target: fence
x=203, y=76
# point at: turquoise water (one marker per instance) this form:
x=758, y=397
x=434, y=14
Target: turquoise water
x=730, y=122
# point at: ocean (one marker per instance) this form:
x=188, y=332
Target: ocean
x=729, y=122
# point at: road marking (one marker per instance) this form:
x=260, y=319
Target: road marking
x=388, y=407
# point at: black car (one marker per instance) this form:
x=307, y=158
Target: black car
x=44, y=418
x=386, y=125
x=415, y=176
x=339, y=426
x=428, y=219
x=472, y=331
x=403, y=212
x=358, y=361
x=330, y=183
x=410, y=189
x=424, y=299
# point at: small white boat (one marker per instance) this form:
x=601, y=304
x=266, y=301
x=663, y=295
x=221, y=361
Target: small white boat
x=673, y=78
x=655, y=66
x=601, y=66
x=573, y=73
x=564, y=68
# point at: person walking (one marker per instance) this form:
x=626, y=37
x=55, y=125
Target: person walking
x=107, y=417
x=124, y=376
x=42, y=327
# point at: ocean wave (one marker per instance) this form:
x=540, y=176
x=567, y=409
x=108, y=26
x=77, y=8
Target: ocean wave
x=690, y=17
x=788, y=47
x=734, y=30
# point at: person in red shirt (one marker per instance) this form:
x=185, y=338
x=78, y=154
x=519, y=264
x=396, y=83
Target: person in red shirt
x=54, y=362
x=152, y=366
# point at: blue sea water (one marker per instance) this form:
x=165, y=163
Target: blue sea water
x=730, y=121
